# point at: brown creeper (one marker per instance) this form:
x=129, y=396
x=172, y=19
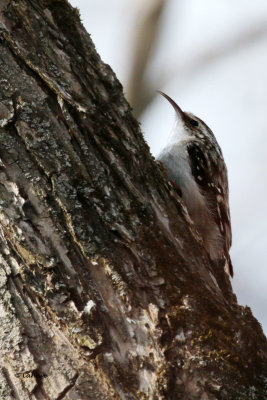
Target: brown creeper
x=194, y=162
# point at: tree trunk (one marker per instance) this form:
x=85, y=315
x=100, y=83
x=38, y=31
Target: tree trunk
x=106, y=291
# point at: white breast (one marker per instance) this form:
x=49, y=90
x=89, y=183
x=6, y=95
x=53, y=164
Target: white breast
x=176, y=162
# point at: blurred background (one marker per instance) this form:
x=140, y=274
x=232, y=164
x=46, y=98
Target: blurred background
x=211, y=57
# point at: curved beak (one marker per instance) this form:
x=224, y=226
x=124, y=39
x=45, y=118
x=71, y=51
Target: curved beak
x=177, y=109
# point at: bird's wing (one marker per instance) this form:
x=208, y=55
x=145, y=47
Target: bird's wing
x=211, y=177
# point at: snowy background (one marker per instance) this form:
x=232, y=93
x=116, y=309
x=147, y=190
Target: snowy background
x=211, y=57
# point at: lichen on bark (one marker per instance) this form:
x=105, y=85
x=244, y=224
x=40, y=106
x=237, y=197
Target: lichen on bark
x=106, y=291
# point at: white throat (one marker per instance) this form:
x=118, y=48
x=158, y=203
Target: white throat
x=179, y=133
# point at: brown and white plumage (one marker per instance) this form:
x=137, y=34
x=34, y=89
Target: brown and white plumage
x=194, y=161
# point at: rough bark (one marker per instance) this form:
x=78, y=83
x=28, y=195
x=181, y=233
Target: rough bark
x=106, y=291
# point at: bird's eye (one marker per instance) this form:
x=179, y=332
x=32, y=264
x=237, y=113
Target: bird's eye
x=193, y=122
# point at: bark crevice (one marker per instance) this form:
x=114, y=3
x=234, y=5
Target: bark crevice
x=106, y=291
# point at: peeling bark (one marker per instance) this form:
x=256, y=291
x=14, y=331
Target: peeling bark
x=106, y=291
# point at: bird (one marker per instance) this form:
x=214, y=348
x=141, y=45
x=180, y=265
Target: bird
x=194, y=162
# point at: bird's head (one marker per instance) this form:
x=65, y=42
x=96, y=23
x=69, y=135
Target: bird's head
x=189, y=126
